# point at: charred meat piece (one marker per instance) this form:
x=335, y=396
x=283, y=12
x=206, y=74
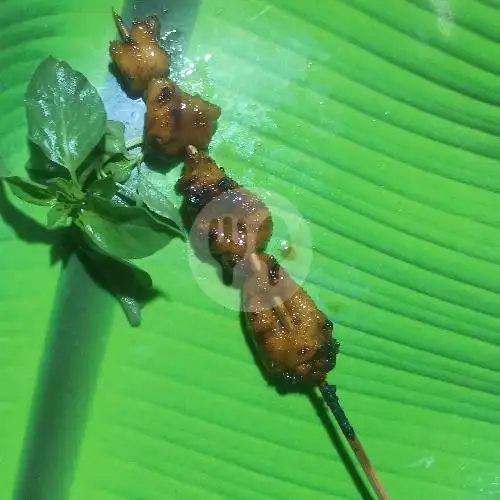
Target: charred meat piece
x=302, y=347
x=139, y=56
x=228, y=220
x=175, y=119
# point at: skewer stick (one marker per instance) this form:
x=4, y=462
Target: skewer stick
x=329, y=394
x=279, y=306
x=120, y=24
x=255, y=262
x=282, y=313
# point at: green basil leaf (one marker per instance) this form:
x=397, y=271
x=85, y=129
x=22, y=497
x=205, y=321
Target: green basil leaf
x=132, y=286
x=123, y=232
x=152, y=189
x=105, y=187
x=113, y=142
x=31, y=192
x=58, y=215
x=66, y=116
x=169, y=225
x=120, y=169
x=124, y=197
x=40, y=168
x=65, y=190
x=132, y=310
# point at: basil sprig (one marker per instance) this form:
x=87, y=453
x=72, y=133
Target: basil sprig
x=82, y=181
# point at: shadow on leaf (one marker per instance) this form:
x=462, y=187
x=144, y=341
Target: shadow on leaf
x=40, y=169
x=132, y=286
x=26, y=228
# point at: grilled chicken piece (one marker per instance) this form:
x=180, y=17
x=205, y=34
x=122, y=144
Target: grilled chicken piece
x=139, y=56
x=294, y=335
x=175, y=119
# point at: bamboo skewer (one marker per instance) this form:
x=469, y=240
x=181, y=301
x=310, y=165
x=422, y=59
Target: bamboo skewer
x=328, y=392
x=120, y=24
x=279, y=306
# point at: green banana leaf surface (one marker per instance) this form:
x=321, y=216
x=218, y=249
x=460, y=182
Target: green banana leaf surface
x=371, y=128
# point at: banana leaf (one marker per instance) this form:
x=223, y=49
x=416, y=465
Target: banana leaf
x=371, y=128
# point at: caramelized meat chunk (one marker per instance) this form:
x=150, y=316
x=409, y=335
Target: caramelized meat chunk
x=175, y=119
x=139, y=57
x=200, y=171
x=227, y=219
x=300, y=345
